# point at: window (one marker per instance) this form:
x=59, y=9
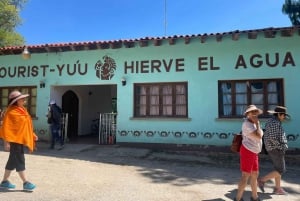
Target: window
x=236, y=95
x=160, y=100
x=30, y=101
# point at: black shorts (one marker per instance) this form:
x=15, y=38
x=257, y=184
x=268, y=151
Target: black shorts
x=16, y=159
x=277, y=157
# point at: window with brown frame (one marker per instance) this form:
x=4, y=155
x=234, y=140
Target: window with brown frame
x=30, y=101
x=236, y=95
x=160, y=100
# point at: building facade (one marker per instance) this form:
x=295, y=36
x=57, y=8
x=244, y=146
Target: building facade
x=184, y=90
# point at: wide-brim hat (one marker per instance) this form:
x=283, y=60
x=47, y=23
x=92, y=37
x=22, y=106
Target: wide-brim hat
x=16, y=95
x=253, y=108
x=279, y=110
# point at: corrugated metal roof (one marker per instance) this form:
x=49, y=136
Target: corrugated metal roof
x=143, y=42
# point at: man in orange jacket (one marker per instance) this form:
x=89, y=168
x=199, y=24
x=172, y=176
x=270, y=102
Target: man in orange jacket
x=17, y=132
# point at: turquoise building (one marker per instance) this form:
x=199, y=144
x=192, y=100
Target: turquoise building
x=180, y=90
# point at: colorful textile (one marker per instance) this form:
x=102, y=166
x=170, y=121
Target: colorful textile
x=17, y=127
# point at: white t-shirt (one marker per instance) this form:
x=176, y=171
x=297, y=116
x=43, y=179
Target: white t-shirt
x=250, y=142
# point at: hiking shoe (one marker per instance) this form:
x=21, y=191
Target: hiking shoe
x=7, y=184
x=27, y=186
x=279, y=191
x=261, y=185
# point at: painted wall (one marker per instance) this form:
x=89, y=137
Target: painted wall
x=203, y=125
x=201, y=65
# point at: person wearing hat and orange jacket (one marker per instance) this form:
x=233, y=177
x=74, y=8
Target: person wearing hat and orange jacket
x=250, y=148
x=17, y=132
x=276, y=146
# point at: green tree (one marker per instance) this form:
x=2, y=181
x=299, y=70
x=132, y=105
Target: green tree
x=292, y=9
x=9, y=20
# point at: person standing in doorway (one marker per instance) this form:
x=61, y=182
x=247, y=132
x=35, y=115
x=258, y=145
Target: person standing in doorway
x=54, y=119
x=276, y=146
x=17, y=132
x=251, y=146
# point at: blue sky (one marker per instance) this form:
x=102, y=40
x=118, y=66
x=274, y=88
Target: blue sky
x=61, y=21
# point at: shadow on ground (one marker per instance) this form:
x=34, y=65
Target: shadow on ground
x=180, y=168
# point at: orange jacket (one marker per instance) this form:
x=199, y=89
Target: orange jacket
x=17, y=127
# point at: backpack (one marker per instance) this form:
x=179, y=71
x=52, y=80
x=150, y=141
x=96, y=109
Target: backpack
x=49, y=116
x=54, y=114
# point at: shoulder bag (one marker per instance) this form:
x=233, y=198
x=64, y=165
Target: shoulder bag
x=236, y=143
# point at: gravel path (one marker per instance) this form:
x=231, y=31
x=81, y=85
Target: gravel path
x=112, y=173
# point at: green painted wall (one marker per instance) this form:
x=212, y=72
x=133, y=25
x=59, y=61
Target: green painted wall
x=203, y=118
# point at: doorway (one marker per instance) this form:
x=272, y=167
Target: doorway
x=70, y=104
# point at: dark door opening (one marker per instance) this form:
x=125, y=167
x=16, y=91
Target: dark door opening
x=70, y=105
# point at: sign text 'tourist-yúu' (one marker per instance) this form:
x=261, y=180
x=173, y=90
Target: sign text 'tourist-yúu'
x=152, y=66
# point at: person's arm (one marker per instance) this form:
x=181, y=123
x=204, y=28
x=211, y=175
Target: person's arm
x=251, y=130
x=35, y=137
x=6, y=145
x=258, y=133
x=282, y=138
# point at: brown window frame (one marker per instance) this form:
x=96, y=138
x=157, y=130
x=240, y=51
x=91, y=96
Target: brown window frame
x=31, y=101
x=160, y=106
x=265, y=105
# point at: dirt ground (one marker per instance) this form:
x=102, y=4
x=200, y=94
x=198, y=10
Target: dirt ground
x=114, y=173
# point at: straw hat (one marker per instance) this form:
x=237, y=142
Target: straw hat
x=253, y=108
x=16, y=95
x=279, y=110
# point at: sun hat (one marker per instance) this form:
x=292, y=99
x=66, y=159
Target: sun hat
x=252, y=108
x=280, y=110
x=16, y=95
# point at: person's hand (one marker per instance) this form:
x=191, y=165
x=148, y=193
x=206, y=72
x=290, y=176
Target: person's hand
x=6, y=146
x=254, y=119
x=35, y=138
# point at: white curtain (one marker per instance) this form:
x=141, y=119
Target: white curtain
x=142, y=101
x=257, y=94
x=180, y=100
x=227, y=99
x=167, y=100
x=164, y=93
x=154, y=100
x=272, y=95
x=241, y=97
